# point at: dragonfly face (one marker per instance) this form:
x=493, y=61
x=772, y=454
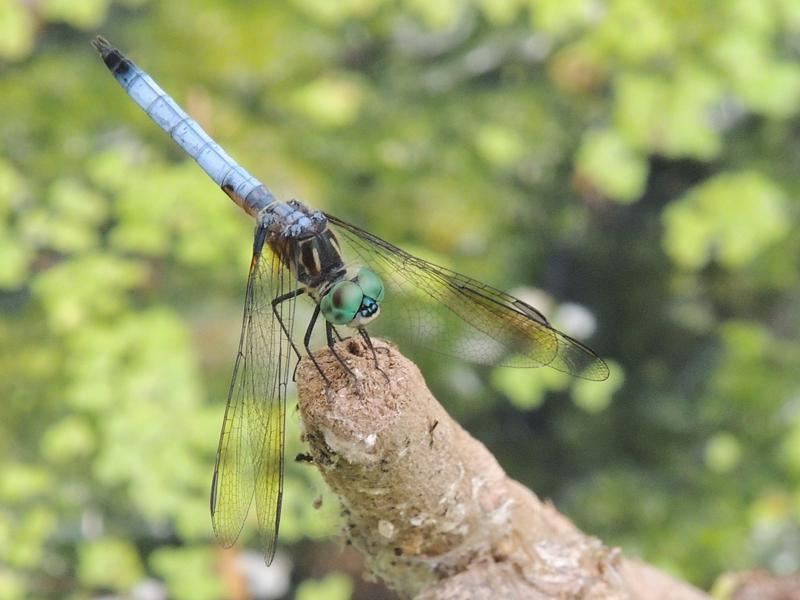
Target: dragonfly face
x=354, y=302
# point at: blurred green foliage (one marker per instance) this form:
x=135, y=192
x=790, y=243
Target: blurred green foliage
x=335, y=586
x=640, y=158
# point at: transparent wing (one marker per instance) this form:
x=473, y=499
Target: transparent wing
x=250, y=455
x=447, y=312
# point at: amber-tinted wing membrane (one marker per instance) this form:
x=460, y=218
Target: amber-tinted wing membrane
x=447, y=312
x=250, y=455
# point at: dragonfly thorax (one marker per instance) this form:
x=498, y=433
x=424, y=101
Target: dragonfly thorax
x=305, y=245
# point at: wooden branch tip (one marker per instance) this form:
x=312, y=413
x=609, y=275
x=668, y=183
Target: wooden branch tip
x=430, y=509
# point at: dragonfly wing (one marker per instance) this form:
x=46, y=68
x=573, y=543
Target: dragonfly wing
x=250, y=455
x=448, y=312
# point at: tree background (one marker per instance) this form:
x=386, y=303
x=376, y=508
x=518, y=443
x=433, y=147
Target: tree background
x=632, y=167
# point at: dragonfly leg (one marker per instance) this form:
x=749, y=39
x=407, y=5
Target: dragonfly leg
x=275, y=302
x=329, y=334
x=307, y=342
x=337, y=334
x=363, y=333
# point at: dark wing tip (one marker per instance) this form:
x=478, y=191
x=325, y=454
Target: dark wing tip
x=226, y=539
x=596, y=370
x=577, y=359
x=213, y=499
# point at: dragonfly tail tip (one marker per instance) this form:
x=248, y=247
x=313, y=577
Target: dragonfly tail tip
x=113, y=58
x=102, y=45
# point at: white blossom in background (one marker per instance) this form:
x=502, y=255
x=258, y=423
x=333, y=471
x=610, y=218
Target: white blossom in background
x=575, y=320
x=149, y=589
x=538, y=299
x=266, y=583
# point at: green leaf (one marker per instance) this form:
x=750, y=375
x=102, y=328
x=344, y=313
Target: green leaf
x=338, y=12
x=499, y=146
x=635, y=31
x=112, y=169
x=30, y=533
x=92, y=286
x=766, y=84
x=136, y=375
x=336, y=586
x=109, y=563
x=334, y=100
x=20, y=482
x=669, y=115
x=69, y=220
x=437, y=15
x=596, y=396
x=17, y=27
x=790, y=450
x=86, y=14
x=723, y=452
x=559, y=17
x=12, y=185
x=501, y=12
x=12, y=585
x=68, y=440
x=611, y=166
x=526, y=388
x=15, y=264
x=775, y=91
x=189, y=573
x=733, y=217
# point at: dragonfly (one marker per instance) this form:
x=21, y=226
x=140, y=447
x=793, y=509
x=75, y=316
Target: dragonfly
x=351, y=278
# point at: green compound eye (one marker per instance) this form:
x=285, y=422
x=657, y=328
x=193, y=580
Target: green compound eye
x=340, y=305
x=370, y=283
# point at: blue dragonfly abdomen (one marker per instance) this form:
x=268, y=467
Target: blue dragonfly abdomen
x=244, y=189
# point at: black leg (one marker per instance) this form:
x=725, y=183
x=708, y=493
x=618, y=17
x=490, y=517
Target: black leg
x=283, y=298
x=337, y=334
x=307, y=341
x=329, y=334
x=363, y=333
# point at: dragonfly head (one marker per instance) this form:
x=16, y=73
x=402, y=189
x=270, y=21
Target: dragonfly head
x=354, y=302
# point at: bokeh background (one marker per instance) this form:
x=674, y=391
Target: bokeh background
x=632, y=167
